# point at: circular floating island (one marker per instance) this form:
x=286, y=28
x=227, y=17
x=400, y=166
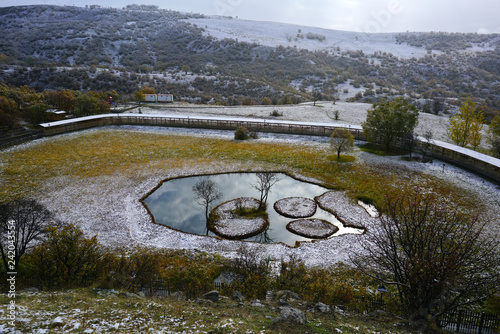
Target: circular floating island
x=312, y=228
x=238, y=219
x=295, y=207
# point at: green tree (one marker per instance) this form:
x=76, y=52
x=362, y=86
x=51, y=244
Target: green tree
x=388, y=120
x=89, y=104
x=342, y=140
x=465, y=127
x=35, y=112
x=66, y=259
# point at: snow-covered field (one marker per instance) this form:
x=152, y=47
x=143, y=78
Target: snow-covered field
x=109, y=206
x=274, y=34
x=323, y=112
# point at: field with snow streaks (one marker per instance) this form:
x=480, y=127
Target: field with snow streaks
x=99, y=186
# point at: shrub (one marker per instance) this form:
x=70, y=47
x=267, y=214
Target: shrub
x=250, y=267
x=241, y=133
x=66, y=259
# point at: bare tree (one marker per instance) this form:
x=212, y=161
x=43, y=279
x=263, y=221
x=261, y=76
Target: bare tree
x=206, y=193
x=427, y=144
x=410, y=141
x=436, y=256
x=22, y=223
x=264, y=184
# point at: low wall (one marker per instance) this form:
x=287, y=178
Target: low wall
x=482, y=164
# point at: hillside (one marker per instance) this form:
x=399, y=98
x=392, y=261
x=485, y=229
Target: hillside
x=221, y=59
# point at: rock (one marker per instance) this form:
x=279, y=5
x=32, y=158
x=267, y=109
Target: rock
x=256, y=303
x=286, y=295
x=178, y=295
x=129, y=294
x=58, y=321
x=237, y=296
x=205, y=302
x=323, y=308
x=31, y=290
x=377, y=313
x=283, y=302
x=212, y=296
x=291, y=315
x=141, y=294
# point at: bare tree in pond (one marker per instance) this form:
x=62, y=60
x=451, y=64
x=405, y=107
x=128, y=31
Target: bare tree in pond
x=206, y=192
x=264, y=184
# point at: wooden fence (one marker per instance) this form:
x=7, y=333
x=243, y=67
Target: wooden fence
x=481, y=164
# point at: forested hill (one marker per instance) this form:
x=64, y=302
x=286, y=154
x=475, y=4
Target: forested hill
x=226, y=60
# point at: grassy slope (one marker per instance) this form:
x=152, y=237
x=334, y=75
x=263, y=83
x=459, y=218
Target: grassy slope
x=106, y=310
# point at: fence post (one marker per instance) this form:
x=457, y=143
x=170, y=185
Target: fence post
x=459, y=321
x=481, y=323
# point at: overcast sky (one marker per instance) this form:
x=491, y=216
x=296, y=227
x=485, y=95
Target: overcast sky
x=352, y=15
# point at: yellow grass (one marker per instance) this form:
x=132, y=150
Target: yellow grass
x=97, y=153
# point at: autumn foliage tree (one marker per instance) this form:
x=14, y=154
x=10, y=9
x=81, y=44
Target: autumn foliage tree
x=465, y=127
x=437, y=256
x=342, y=140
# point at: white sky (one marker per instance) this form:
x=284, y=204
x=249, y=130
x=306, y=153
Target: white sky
x=352, y=15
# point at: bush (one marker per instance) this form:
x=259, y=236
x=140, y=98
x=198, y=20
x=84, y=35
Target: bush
x=67, y=259
x=250, y=268
x=241, y=133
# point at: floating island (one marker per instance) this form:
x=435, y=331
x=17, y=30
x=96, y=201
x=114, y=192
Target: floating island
x=296, y=207
x=238, y=219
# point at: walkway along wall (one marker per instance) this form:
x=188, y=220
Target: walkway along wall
x=482, y=164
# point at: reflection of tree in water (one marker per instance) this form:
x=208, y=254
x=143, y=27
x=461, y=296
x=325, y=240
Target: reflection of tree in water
x=264, y=237
x=206, y=192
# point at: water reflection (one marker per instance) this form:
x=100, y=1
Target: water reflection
x=175, y=204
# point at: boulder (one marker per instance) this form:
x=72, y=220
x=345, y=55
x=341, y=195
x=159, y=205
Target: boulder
x=58, y=321
x=286, y=295
x=178, y=295
x=256, y=303
x=212, y=296
x=323, y=308
x=290, y=315
x=238, y=296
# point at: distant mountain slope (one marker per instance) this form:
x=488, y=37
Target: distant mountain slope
x=221, y=59
x=310, y=38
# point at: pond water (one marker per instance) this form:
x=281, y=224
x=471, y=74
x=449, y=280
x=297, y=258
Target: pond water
x=174, y=204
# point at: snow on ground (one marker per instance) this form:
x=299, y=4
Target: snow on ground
x=312, y=228
x=231, y=225
x=349, y=114
x=109, y=206
x=275, y=34
x=296, y=207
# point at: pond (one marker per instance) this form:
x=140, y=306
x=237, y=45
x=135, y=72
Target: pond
x=174, y=204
